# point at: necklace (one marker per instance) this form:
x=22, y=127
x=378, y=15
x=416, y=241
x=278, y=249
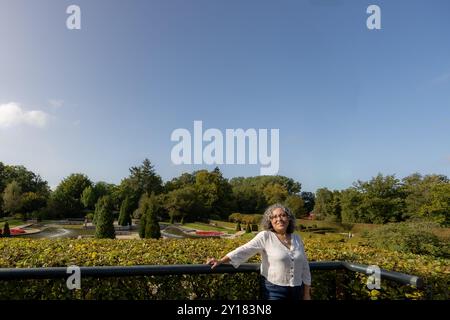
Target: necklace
x=285, y=240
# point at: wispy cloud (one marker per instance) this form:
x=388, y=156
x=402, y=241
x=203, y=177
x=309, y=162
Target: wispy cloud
x=56, y=103
x=441, y=78
x=12, y=114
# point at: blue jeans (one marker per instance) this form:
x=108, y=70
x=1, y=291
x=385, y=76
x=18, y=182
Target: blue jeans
x=272, y=291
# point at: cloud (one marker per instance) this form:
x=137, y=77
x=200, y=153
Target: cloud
x=442, y=78
x=56, y=103
x=12, y=114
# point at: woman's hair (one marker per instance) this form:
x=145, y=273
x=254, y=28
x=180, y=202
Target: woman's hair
x=266, y=219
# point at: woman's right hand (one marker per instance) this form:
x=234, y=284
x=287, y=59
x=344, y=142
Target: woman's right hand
x=213, y=262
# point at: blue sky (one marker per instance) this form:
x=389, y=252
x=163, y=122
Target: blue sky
x=349, y=102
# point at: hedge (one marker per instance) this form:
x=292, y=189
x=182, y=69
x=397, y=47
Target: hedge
x=25, y=253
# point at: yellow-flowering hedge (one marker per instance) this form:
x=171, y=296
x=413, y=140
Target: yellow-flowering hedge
x=25, y=253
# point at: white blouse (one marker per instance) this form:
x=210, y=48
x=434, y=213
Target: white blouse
x=280, y=265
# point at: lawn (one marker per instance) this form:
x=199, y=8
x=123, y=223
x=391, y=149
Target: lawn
x=207, y=227
x=12, y=222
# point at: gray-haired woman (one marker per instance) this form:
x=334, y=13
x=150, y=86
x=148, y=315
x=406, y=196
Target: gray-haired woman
x=284, y=268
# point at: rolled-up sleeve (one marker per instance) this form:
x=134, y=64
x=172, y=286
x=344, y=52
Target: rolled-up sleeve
x=246, y=251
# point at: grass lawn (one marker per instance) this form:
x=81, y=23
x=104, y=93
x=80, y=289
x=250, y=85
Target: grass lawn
x=12, y=222
x=207, y=227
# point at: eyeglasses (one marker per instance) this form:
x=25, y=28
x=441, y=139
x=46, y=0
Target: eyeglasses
x=280, y=216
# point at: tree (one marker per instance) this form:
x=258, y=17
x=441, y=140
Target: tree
x=437, y=209
x=382, y=199
x=104, y=227
x=152, y=229
x=238, y=226
x=308, y=200
x=125, y=213
x=67, y=196
x=149, y=227
x=6, y=230
x=351, y=201
x=421, y=196
x=88, y=198
x=254, y=194
x=214, y=193
x=323, y=206
x=27, y=180
x=183, y=203
x=296, y=205
x=275, y=193
x=248, y=199
x=12, y=198
x=248, y=229
x=32, y=202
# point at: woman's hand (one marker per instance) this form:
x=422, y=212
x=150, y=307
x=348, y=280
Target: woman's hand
x=213, y=262
x=307, y=293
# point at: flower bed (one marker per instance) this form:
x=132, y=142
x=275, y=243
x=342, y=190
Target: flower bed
x=208, y=233
x=15, y=231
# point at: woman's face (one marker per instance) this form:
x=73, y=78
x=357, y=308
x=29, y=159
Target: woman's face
x=279, y=220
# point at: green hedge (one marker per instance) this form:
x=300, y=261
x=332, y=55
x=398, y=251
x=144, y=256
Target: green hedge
x=24, y=253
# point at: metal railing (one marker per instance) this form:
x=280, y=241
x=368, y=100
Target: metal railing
x=153, y=270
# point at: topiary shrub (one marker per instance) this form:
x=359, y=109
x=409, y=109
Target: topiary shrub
x=6, y=231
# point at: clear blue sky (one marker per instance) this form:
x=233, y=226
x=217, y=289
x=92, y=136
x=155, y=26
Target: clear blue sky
x=349, y=102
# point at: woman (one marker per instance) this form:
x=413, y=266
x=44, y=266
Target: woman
x=284, y=268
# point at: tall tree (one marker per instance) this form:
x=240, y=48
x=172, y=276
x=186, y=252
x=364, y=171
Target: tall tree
x=275, y=193
x=142, y=179
x=88, y=197
x=295, y=204
x=351, y=201
x=437, y=209
x=104, y=227
x=125, y=213
x=183, y=203
x=309, y=201
x=6, y=230
x=12, y=198
x=382, y=199
x=324, y=203
x=152, y=229
x=67, y=196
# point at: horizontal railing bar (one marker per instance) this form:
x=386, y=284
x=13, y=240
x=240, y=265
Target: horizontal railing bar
x=402, y=278
x=153, y=270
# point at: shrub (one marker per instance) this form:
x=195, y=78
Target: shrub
x=6, y=231
x=238, y=226
x=407, y=237
x=104, y=227
x=125, y=213
x=27, y=253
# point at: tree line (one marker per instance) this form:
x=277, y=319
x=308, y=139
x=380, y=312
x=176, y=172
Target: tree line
x=388, y=199
x=203, y=195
